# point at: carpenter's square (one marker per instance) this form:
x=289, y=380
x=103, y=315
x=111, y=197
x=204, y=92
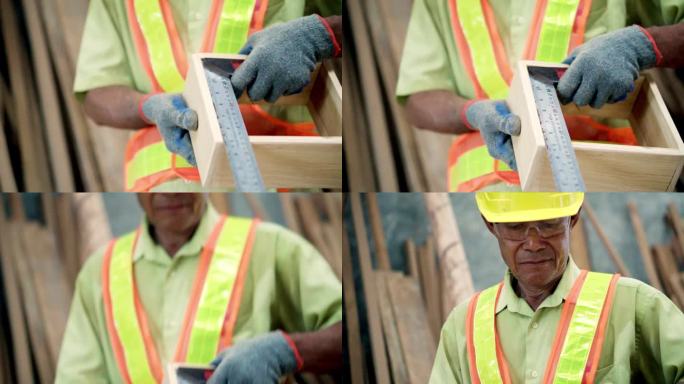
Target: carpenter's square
x=243, y=163
x=564, y=166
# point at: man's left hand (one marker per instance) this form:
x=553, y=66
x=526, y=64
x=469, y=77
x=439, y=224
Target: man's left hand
x=263, y=359
x=603, y=70
x=282, y=57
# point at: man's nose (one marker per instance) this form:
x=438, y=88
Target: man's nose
x=533, y=240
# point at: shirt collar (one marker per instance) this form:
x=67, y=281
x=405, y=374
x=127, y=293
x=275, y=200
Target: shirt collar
x=147, y=248
x=514, y=303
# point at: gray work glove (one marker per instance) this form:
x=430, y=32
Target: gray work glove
x=603, y=70
x=174, y=120
x=496, y=124
x=263, y=359
x=281, y=58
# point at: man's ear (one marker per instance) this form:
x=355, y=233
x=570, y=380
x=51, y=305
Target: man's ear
x=575, y=218
x=490, y=226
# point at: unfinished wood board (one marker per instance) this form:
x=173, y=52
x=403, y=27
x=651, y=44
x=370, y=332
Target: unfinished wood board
x=412, y=260
x=378, y=233
x=615, y=256
x=284, y=161
x=370, y=293
x=667, y=269
x=428, y=274
x=7, y=180
x=644, y=248
x=676, y=222
x=351, y=315
x=417, y=343
x=654, y=165
x=389, y=329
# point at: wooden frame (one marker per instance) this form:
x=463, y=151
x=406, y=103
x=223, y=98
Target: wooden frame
x=284, y=161
x=654, y=165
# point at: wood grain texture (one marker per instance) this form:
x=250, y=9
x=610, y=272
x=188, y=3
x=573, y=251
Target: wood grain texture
x=644, y=247
x=389, y=328
x=284, y=161
x=615, y=256
x=351, y=316
x=654, y=165
x=378, y=234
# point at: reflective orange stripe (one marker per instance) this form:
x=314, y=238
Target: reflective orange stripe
x=176, y=43
x=467, y=142
x=578, y=28
x=141, y=45
x=499, y=51
x=464, y=50
x=597, y=344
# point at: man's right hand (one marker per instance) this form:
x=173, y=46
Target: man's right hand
x=496, y=124
x=174, y=119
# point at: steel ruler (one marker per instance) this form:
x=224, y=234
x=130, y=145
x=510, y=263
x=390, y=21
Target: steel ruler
x=564, y=166
x=243, y=163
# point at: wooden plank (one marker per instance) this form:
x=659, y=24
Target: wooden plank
x=417, y=344
x=412, y=262
x=68, y=237
x=676, y=221
x=60, y=161
x=34, y=166
x=288, y=208
x=378, y=129
x=428, y=271
x=654, y=165
x=458, y=283
x=20, y=345
x=381, y=255
x=325, y=102
x=351, y=316
x=578, y=246
x=644, y=248
x=612, y=251
x=314, y=232
x=369, y=290
x=667, y=269
x=389, y=329
x=7, y=180
x=284, y=161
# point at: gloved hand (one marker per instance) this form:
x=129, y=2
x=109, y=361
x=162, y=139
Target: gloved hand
x=263, y=359
x=604, y=69
x=282, y=57
x=496, y=124
x=174, y=120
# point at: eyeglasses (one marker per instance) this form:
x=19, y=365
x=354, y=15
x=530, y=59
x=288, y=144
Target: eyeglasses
x=519, y=231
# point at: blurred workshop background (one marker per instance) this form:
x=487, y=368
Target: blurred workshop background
x=46, y=238
x=383, y=152
x=415, y=256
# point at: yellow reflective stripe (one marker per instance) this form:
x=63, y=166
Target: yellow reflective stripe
x=163, y=63
x=473, y=164
x=215, y=296
x=148, y=161
x=582, y=328
x=123, y=310
x=481, y=49
x=556, y=28
x=233, y=27
x=484, y=339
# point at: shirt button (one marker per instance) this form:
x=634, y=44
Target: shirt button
x=534, y=374
x=535, y=325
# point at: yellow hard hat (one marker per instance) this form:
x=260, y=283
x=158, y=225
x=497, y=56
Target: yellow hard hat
x=509, y=207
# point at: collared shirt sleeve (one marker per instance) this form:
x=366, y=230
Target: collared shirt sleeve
x=425, y=61
x=447, y=367
x=81, y=358
x=311, y=293
x=659, y=336
x=102, y=59
x=656, y=12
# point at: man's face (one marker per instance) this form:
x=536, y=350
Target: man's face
x=173, y=212
x=535, y=252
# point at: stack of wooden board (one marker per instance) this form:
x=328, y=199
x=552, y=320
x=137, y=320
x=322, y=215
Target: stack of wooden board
x=383, y=152
x=404, y=311
x=46, y=141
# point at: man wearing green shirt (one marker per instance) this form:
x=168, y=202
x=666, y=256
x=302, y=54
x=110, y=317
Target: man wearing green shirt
x=122, y=56
x=288, y=286
x=642, y=333
x=444, y=79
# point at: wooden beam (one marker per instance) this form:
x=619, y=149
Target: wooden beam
x=667, y=268
x=389, y=328
x=428, y=272
x=458, y=283
x=417, y=343
x=369, y=289
x=612, y=251
x=351, y=316
x=644, y=247
x=7, y=181
x=378, y=234
x=412, y=261
x=676, y=222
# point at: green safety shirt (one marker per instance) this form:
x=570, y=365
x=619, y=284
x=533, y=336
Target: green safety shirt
x=108, y=55
x=288, y=286
x=644, y=338
x=430, y=60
